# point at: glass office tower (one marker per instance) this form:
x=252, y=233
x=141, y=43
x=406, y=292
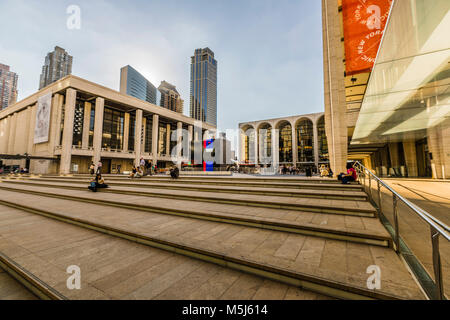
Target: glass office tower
x=136, y=85
x=203, y=104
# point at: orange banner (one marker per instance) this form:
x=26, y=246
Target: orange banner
x=364, y=22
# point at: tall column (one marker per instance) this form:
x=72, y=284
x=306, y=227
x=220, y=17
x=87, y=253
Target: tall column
x=30, y=147
x=409, y=148
x=155, y=136
x=445, y=136
x=126, y=131
x=69, y=115
x=316, y=145
x=143, y=134
x=7, y=132
x=137, y=137
x=189, y=142
x=12, y=134
x=59, y=113
x=168, y=140
x=86, y=124
x=179, y=142
x=384, y=161
x=256, y=146
x=98, y=128
x=334, y=86
x=294, y=145
x=276, y=148
x=395, y=161
x=55, y=123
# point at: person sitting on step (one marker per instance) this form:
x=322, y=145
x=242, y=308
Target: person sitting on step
x=97, y=182
x=350, y=176
x=174, y=173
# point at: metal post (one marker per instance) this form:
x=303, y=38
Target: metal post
x=437, y=267
x=379, y=198
x=397, y=236
x=370, y=187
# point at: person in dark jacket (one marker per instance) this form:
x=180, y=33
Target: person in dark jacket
x=174, y=173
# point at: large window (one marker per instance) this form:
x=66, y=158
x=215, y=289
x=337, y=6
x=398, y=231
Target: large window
x=265, y=144
x=322, y=138
x=162, y=139
x=173, y=139
x=249, y=145
x=113, y=123
x=78, y=124
x=91, y=126
x=285, y=143
x=305, y=139
x=131, y=132
x=148, y=134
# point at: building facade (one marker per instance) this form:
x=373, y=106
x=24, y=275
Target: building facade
x=394, y=116
x=8, y=86
x=72, y=122
x=170, y=98
x=203, y=104
x=58, y=64
x=297, y=140
x=136, y=85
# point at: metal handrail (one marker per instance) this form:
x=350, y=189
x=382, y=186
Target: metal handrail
x=431, y=220
x=437, y=227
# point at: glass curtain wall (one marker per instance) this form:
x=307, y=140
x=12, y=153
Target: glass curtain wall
x=322, y=139
x=265, y=144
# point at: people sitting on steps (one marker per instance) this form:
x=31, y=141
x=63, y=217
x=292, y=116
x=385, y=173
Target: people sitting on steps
x=136, y=172
x=174, y=172
x=350, y=176
x=97, y=182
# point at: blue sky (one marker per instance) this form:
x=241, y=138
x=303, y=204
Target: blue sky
x=269, y=53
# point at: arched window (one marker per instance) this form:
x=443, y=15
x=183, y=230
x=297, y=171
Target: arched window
x=265, y=144
x=305, y=140
x=285, y=143
x=322, y=138
x=249, y=145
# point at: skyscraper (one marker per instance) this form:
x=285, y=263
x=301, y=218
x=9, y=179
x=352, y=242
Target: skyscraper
x=170, y=98
x=8, y=86
x=136, y=85
x=203, y=104
x=58, y=64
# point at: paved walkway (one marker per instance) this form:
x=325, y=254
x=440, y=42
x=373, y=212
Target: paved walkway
x=10, y=289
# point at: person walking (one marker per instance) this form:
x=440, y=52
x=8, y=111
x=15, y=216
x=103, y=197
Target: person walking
x=99, y=167
x=92, y=168
x=142, y=164
x=119, y=167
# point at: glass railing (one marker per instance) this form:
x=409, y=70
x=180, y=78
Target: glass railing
x=416, y=234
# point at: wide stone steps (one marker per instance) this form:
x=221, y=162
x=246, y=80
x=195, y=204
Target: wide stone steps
x=330, y=206
x=276, y=183
x=285, y=192
x=114, y=268
x=332, y=267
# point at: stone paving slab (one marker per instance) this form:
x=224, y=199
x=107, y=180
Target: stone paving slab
x=113, y=268
x=324, y=205
x=328, y=222
x=307, y=255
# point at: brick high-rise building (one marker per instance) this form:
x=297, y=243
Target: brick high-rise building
x=58, y=64
x=8, y=86
x=170, y=98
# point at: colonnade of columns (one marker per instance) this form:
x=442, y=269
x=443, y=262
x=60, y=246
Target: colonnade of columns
x=139, y=138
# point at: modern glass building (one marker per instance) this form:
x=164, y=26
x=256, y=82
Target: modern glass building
x=394, y=115
x=203, y=104
x=136, y=85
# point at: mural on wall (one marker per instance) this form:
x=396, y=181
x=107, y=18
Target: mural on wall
x=41, y=129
